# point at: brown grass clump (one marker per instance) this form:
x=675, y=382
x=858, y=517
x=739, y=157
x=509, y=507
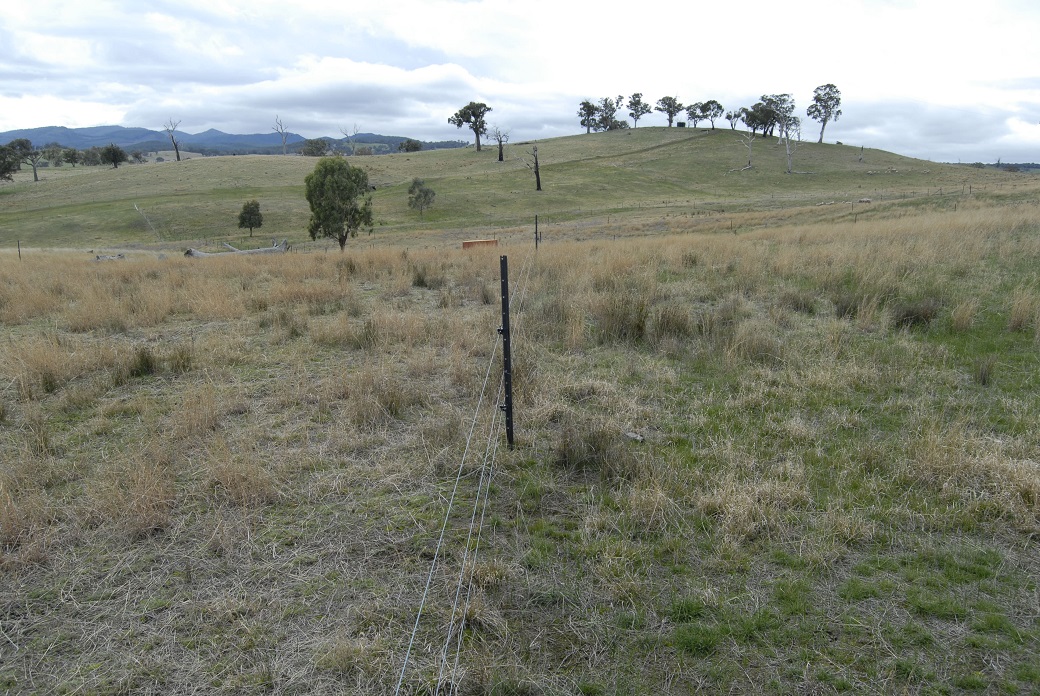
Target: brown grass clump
x=199, y=412
x=962, y=318
x=749, y=506
x=1025, y=306
x=595, y=446
x=756, y=341
x=239, y=479
x=140, y=499
x=920, y=313
x=377, y=397
x=979, y=473
x=19, y=517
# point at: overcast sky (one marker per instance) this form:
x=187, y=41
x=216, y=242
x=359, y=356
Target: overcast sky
x=946, y=80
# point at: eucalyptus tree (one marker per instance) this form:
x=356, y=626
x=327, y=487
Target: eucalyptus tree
x=473, y=116
x=637, y=108
x=670, y=107
x=826, y=106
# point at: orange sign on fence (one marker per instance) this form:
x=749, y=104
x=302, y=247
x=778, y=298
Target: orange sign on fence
x=479, y=243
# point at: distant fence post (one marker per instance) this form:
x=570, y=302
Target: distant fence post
x=19, y=250
x=536, y=233
x=507, y=357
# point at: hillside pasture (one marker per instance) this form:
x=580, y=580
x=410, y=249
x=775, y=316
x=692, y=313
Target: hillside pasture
x=646, y=173
x=230, y=474
x=773, y=447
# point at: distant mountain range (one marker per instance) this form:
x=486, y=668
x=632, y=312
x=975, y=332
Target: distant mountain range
x=211, y=142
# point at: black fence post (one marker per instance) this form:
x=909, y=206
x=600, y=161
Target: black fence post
x=507, y=358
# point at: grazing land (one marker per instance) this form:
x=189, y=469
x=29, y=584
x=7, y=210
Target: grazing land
x=770, y=439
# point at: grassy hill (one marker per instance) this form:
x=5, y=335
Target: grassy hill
x=764, y=445
x=648, y=172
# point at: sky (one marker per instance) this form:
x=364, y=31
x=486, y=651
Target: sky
x=944, y=80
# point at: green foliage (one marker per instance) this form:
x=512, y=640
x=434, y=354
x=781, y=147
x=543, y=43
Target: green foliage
x=826, y=106
x=694, y=113
x=637, y=108
x=420, y=196
x=409, y=145
x=27, y=153
x=316, y=147
x=711, y=110
x=587, y=115
x=670, y=107
x=251, y=216
x=339, y=200
x=8, y=163
x=472, y=115
x=114, y=155
x=606, y=114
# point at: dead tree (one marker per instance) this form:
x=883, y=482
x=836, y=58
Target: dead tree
x=501, y=137
x=171, y=130
x=280, y=128
x=534, y=167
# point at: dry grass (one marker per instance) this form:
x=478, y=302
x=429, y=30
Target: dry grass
x=229, y=475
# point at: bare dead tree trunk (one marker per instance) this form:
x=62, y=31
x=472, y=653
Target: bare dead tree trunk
x=279, y=128
x=537, y=174
x=171, y=129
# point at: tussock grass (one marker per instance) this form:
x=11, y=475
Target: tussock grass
x=230, y=474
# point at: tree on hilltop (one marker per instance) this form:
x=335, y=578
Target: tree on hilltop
x=694, y=113
x=501, y=137
x=251, y=216
x=606, y=119
x=472, y=115
x=711, y=110
x=637, y=108
x=826, y=106
x=588, y=113
x=670, y=107
x=409, y=145
x=339, y=200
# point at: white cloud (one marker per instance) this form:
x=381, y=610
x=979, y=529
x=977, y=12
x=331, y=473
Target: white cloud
x=922, y=77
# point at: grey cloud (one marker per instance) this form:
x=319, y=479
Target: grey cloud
x=930, y=132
